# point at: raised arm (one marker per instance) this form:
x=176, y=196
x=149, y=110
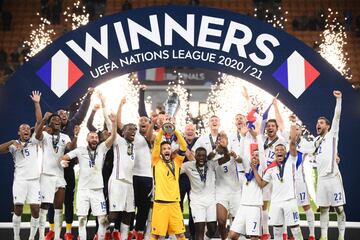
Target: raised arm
x=336, y=119
x=72, y=145
x=35, y=96
x=80, y=115
x=110, y=140
x=39, y=128
x=181, y=140
x=142, y=107
x=278, y=117
x=90, y=120
x=261, y=150
x=105, y=114
x=119, y=112
x=293, y=150
x=156, y=149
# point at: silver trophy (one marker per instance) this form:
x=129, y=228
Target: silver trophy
x=172, y=105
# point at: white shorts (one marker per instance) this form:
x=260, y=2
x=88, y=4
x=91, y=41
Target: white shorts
x=49, y=184
x=231, y=201
x=247, y=220
x=267, y=190
x=121, y=196
x=330, y=191
x=201, y=213
x=302, y=194
x=26, y=190
x=284, y=212
x=90, y=198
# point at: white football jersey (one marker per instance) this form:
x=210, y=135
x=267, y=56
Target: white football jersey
x=269, y=148
x=206, y=141
x=142, y=164
x=285, y=189
x=90, y=175
x=52, y=152
x=26, y=159
x=202, y=192
x=227, y=180
x=326, y=147
x=234, y=145
x=124, y=158
x=252, y=194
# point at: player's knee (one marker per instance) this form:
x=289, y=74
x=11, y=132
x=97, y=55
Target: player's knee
x=339, y=210
x=180, y=236
x=35, y=209
x=324, y=209
x=82, y=221
x=233, y=235
x=18, y=210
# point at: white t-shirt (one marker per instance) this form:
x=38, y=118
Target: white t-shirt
x=234, y=145
x=282, y=190
x=252, y=194
x=51, y=156
x=227, y=180
x=123, y=162
x=142, y=164
x=26, y=160
x=201, y=193
x=90, y=175
x=205, y=142
x=326, y=151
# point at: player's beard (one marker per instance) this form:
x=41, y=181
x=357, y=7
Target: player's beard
x=165, y=157
x=93, y=145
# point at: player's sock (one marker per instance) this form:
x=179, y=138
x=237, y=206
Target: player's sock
x=296, y=232
x=68, y=227
x=42, y=222
x=311, y=221
x=34, y=225
x=124, y=230
x=278, y=233
x=242, y=237
x=58, y=223
x=206, y=237
x=82, y=228
x=16, y=221
x=341, y=219
x=102, y=227
x=51, y=226
x=324, y=222
x=265, y=220
x=148, y=226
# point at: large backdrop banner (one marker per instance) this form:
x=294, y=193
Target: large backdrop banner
x=187, y=36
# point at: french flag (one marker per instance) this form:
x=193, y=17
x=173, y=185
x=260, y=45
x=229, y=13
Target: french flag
x=265, y=117
x=59, y=73
x=152, y=74
x=296, y=74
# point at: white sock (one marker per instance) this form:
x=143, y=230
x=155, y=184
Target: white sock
x=172, y=237
x=341, y=219
x=296, y=232
x=278, y=233
x=310, y=217
x=265, y=220
x=148, y=226
x=34, y=225
x=242, y=237
x=102, y=227
x=206, y=237
x=16, y=221
x=82, y=228
x=42, y=222
x=124, y=231
x=324, y=222
x=58, y=223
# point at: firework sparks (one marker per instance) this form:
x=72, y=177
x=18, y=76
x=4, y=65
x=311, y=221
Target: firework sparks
x=40, y=37
x=225, y=101
x=276, y=17
x=182, y=114
x=332, y=45
x=77, y=15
